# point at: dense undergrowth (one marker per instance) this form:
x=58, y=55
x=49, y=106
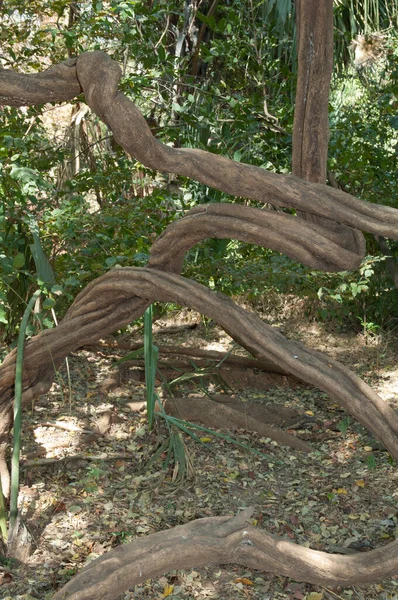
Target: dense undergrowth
x=74, y=205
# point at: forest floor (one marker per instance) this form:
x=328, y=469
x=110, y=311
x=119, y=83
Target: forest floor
x=96, y=494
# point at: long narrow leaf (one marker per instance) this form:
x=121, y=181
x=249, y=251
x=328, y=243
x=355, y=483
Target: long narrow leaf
x=130, y=356
x=43, y=266
x=17, y=411
x=162, y=448
x=180, y=423
x=151, y=360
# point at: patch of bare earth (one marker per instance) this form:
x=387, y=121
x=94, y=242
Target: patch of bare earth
x=96, y=492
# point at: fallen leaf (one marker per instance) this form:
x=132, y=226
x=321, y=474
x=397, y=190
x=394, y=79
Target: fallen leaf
x=5, y=578
x=60, y=507
x=167, y=590
x=205, y=439
x=243, y=580
x=315, y=596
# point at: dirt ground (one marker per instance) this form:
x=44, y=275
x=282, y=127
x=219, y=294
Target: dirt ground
x=96, y=493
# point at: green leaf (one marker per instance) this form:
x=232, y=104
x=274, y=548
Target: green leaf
x=394, y=122
x=343, y=425
x=209, y=21
x=111, y=261
x=19, y=261
x=3, y=316
x=48, y=303
x=43, y=267
x=354, y=289
x=237, y=155
x=17, y=410
x=151, y=360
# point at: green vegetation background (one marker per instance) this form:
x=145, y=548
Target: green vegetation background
x=221, y=78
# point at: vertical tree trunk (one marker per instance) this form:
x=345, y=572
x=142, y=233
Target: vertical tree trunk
x=314, y=25
x=311, y=123
x=315, y=63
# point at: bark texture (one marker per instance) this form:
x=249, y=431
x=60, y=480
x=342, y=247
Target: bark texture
x=121, y=296
x=329, y=239
x=222, y=540
x=314, y=28
x=207, y=412
x=315, y=62
x=210, y=357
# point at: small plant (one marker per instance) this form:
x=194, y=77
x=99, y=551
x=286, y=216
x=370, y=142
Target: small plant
x=173, y=447
x=343, y=425
x=369, y=328
x=122, y=536
x=332, y=497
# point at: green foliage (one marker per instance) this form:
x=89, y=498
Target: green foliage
x=223, y=82
x=368, y=296
x=343, y=425
x=24, y=191
x=364, y=134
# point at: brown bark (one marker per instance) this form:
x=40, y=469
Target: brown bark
x=99, y=75
x=230, y=375
x=57, y=84
x=122, y=295
x=214, y=356
x=216, y=171
x=308, y=243
x=223, y=540
x=223, y=416
x=314, y=28
x=391, y=264
x=273, y=414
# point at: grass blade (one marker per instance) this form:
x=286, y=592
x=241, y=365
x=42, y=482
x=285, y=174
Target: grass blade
x=17, y=411
x=151, y=359
x=184, y=425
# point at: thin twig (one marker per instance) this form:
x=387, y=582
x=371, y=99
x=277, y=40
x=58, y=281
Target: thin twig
x=163, y=33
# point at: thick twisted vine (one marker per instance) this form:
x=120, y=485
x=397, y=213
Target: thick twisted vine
x=122, y=295
x=97, y=75
x=222, y=540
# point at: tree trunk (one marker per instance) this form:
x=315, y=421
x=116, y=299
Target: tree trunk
x=314, y=26
x=311, y=115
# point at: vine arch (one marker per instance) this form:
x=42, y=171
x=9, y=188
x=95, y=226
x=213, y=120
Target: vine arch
x=326, y=235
